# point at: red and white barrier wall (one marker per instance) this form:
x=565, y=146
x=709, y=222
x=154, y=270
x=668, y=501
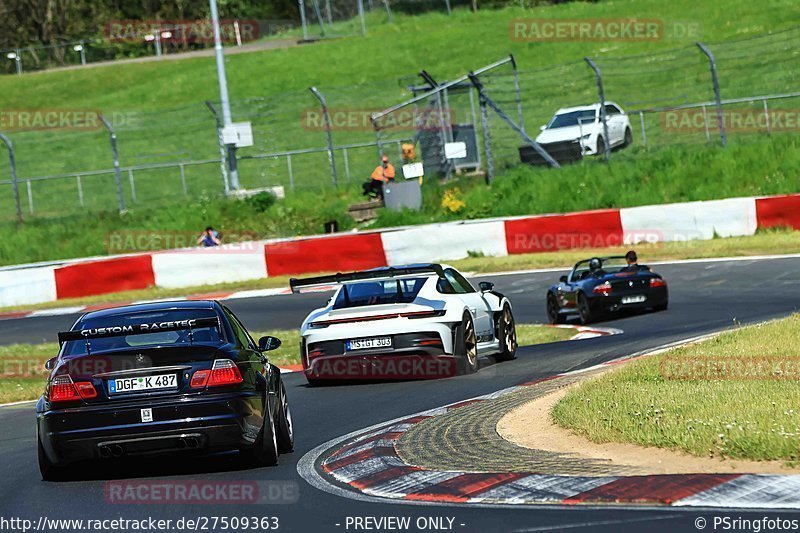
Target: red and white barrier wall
x=433, y=242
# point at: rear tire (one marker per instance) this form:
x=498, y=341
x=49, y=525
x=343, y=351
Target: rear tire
x=553, y=316
x=584, y=312
x=507, y=335
x=628, y=138
x=264, y=451
x=285, y=429
x=466, y=345
x=50, y=471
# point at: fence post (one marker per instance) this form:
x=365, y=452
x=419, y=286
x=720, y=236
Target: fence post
x=222, y=151
x=705, y=122
x=18, y=61
x=644, y=132
x=346, y=164
x=30, y=196
x=519, y=92
x=291, y=172
x=113, y=139
x=487, y=142
x=388, y=11
x=449, y=9
x=718, y=100
x=301, y=5
x=327, y=119
x=13, y=165
x=133, y=184
x=361, y=17
x=80, y=189
x=766, y=117
x=183, y=179
x=601, y=94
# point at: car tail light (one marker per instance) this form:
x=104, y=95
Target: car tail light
x=604, y=289
x=62, y=389
x=657, y=282
x=224, y=372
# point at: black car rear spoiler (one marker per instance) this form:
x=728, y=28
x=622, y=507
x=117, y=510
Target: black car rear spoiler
x=138, y=329
x=384, y=273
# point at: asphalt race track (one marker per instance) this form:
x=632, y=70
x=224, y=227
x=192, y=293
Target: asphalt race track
x=704, y=297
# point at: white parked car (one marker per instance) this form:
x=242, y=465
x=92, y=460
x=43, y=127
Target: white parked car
x=583, y=125
x=410, y=322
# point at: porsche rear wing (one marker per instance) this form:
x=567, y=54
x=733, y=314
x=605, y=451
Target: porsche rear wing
x=297, y=285
x=138, y=329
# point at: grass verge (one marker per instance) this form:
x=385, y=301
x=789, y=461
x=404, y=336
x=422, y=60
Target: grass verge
x=22, y=373
x=767, y=242
x=734, y=396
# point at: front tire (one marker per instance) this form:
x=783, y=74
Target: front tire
x=466, y=345
x=507, y=335
x=601, y=146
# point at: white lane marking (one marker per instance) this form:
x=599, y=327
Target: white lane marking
x=17, y=403
x=57, y=311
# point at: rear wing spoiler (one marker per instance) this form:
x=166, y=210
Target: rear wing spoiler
x=138, y=329
x=297, y=285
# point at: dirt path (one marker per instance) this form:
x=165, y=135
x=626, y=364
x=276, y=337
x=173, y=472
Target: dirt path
x=530, y=426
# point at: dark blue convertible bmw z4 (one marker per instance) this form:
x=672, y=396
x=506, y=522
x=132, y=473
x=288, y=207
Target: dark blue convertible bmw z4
x=602, y=286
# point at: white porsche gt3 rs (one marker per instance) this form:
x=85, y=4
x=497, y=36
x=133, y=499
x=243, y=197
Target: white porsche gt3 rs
x=412, y=322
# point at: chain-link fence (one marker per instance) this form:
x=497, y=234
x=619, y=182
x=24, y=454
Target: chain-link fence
x=669, y=98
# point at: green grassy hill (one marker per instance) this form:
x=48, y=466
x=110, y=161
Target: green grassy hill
x=160, y=116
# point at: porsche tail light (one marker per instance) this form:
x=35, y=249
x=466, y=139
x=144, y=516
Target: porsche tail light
x=603, y=288
x=63, y=389
x=657, y=282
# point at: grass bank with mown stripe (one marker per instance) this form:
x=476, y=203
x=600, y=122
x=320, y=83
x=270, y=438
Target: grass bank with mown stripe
x=22, y=373
x=735, y=396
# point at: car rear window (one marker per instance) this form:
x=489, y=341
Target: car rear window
x=389, y=291
x=204, y=335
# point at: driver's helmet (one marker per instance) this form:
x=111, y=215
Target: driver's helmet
x=595, y=264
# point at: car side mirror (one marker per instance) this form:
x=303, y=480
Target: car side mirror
x=268, y=343
x=486, y=286
x=563, y=279
x=542, y=127
x=51, y=363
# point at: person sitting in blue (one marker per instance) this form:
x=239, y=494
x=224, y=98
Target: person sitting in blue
x=209, y=238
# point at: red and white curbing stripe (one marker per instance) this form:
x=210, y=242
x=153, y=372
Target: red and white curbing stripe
x=368, y=465
x=29, y=284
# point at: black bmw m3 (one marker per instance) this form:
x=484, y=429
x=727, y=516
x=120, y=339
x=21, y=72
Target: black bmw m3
x=167, y=377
